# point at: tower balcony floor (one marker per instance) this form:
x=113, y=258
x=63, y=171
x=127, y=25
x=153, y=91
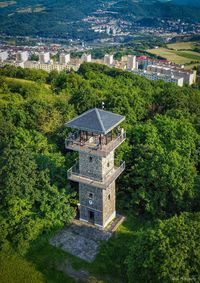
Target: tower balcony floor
x=73, y=174
x=92, y=146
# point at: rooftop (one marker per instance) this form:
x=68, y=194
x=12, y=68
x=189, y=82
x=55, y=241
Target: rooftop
x=96, y=120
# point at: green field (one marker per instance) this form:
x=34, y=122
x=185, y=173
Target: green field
x=188, y=54
x=182, y=53
x=182, y=45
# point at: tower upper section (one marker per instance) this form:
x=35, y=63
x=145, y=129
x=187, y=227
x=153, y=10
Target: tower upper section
x=95, y=132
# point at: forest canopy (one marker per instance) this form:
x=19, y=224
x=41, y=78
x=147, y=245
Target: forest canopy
x=161, y=181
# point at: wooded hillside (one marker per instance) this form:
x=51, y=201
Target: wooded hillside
x=160, y=184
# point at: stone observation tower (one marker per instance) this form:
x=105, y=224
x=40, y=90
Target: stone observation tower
x=95, y=136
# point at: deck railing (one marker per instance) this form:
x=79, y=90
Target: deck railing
x=74, y=174
x=96, y=149
x=115, y=143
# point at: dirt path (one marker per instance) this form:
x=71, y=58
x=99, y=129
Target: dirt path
x=80, y=275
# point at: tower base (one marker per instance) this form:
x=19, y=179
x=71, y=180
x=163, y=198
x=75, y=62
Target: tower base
x=109, y=220
x=81, y=239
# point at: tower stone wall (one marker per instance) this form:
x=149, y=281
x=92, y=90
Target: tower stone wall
x=90, y=166
x=88, y=203
x=100, y=201
x=109, y=200
x=97, y=199
x=96, y=167
x=108, y=164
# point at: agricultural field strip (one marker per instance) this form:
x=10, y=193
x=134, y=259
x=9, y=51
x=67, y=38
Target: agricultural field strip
x=177, y=56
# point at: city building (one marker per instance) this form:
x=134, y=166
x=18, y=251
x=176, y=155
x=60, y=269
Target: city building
x=19, y=64
x=131, y=62
x=3, y=56
x=86, y=58
x=158, y=76
x=64, y=58
x=143, y=62
x=114, y=31
x=48, y=67
x=124, y=58
x=152, y=69
x=108, y=30
x=12, y=63
x=94, y=139
x=188, y=76
x=22, y=56
x=44, y=57
x=108, y=59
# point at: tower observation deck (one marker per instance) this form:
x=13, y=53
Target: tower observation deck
x=95, y=136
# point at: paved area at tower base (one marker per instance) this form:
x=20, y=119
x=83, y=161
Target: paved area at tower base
x=81, y=239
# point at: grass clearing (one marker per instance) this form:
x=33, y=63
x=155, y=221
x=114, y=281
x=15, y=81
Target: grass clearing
x=109, y=265
x=45, y=258
x=25, y=271
x=27, y=82
x=29, y=90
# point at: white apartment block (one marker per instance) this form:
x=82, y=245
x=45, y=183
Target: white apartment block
x=108, y=59
x=158, y=76
x=86, y=58
x=19, y=64
x=64, y=58
x=131, y=62
x=22, y=56
x=12, y=63
x=44, y=57
x=3, y=56
x=172, y=79
x=51, y=66
x=188, y=76
x=45, y=67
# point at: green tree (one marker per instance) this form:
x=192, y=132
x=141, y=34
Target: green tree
x=30, y=200
x=167, y=253
x=162, y=166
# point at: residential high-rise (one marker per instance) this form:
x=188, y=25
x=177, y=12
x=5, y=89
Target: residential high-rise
x=3, y=56
x=108, y=59
x=187, y=75
x=159, y=76
x=86, y=58
x=64, y=58
x=44, y=57
x=22, y=56
x=131, y=62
